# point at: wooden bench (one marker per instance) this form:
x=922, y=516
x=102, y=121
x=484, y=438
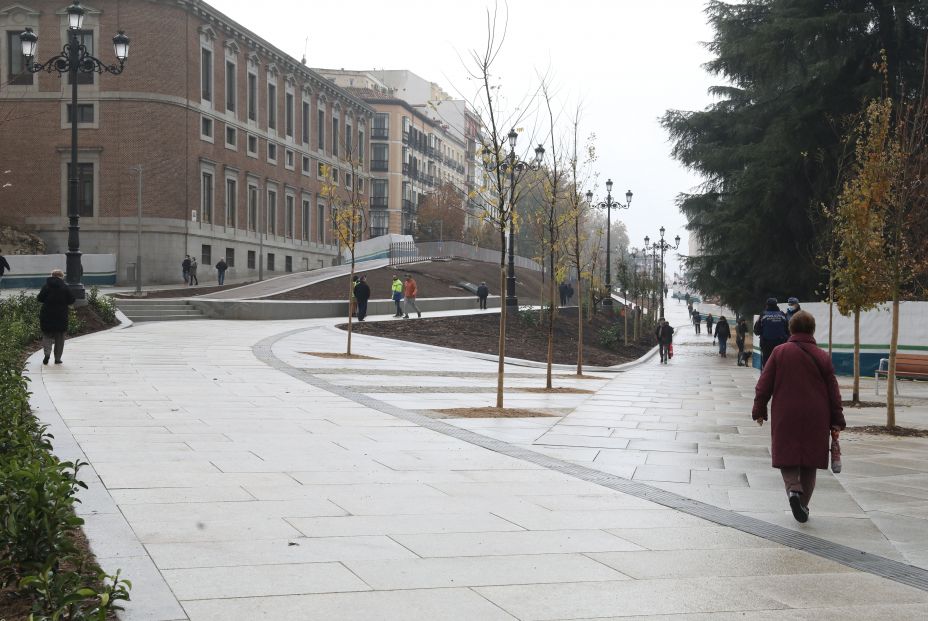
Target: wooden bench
x=909, y=366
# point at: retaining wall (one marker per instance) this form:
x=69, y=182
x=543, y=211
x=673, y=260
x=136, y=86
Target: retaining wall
x=30, y=271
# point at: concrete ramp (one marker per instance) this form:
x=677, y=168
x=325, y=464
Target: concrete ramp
x=289, y=282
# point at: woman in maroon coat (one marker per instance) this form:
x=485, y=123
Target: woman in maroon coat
x=806, y=407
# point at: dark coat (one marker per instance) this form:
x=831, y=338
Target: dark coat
x=222, y=265
x=664, y=334
x=55, y=297
x=3, y=264
x=362, y=291
x=483, y=291
x=806, y=402
x=722, y=330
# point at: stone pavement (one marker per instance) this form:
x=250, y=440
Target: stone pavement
x=241, y=478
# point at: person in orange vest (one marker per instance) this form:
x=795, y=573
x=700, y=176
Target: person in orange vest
x=410, y=291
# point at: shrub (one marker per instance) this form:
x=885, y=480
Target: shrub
x=611, y=336
x=103, y=305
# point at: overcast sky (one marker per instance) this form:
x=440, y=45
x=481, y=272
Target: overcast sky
x=626, y=61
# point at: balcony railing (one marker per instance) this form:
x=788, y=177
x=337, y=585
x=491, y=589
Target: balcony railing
x=408, y=205
x=379, y=231
x=378, y=202
x=380, y=133
x=379, y=165
x=406, y=137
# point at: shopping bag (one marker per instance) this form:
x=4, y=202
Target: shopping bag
x=835, y=452
x=670, y=351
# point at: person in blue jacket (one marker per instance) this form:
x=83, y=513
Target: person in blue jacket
x=773, y=329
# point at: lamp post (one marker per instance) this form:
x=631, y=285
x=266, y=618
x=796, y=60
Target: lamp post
x=512, y=164
x=609, y=205
x=72, y=60
x=663, y=246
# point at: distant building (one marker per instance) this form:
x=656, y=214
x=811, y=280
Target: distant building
x=232, y=135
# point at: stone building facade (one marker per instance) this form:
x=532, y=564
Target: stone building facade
x=231, y=134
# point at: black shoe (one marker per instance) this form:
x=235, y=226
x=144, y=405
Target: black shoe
x=45, y=359
x=405, y=316
x=799, y=512
x=420, y=314
x=58, y=362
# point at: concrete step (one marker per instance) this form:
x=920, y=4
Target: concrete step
x=164, y=317
x=159, y=310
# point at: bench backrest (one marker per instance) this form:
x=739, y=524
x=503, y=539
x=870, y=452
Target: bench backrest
x=911, y=363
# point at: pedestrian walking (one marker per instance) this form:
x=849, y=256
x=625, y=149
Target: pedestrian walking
x=772, y=328
x=185, y=269
x=353, y=304
x=362, y=293
x=55, y=297
x=483, y=292
x=193, y=272
x=221, y=268
x=4, y=266
x=687, y=298
x=562, y=292
x=396, y=290
x=709, y=322
x=570, y=293
x=410, y=291
x=697, y=321
x=723, y=333
x=792, y=307
x=806, y=410
x=664, y=334
x=741, y=333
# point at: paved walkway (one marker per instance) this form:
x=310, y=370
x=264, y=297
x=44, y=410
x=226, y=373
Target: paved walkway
x=241, y=478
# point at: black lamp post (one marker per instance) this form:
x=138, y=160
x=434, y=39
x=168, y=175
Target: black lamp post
x=663, y=246
x=512, y=164
x=609, y=205
x=72, y=60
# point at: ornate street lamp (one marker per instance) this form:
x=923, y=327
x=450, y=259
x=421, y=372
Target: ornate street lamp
x=609, y=205
x=512, y=164
x=72, y=60
x=663, y=246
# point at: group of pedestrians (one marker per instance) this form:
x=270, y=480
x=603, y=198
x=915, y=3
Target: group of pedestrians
x=189, y=268
x=566, y=292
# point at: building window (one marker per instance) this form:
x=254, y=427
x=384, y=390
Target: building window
x=305, y=123
x=230, y=86
x=335, y=136
x=289, y=159
x=348, y=180
x=85, y=37
x=307, y=165
x=85, y=194
x=206, y=196
x=381, y=128
x=271, y=152
x=361, y=184
x=206, y=128
x=379, y=157
x=252, y=207
x=288, y=114
x=16, y=72
x=349, y=146
x=360, y=146
x=251, y=260
x=252, y=97
x=206, y=254
x=289, y=215
x=380, y=222
x=230, y=257
x=231, y=202
x=288, y=263
x=252, y=145
x=335, y=176
x=272, y=212
x=271, y=106
x=379, y=194
x=270, y=261
x=307, y=217
x=320, y=129
x=206, y=75
x=85, y=113
x=231, y=137
x=320, y=223
x=320, y=170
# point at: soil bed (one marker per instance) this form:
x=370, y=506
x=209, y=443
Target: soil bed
x=486, y=413
x=435, y=279
x=882, y=430
x=480, y=333
x=341, y=355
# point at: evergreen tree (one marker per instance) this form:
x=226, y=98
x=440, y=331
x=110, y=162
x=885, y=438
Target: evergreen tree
x=767, y=148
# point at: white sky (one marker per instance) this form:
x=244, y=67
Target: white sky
x=627, y=61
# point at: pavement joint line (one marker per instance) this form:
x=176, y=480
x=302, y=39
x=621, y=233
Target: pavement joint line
x=851, y=557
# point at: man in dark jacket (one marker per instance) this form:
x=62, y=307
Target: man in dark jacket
x=562, y=292
x=483, y=292
x=773, y=329
x=221, y=268
x=362, y=293
x=4, y=266
x=722, y=333
x=697, y=321
x=741, y=333
x=185, y=269
x=664, y=334
x=55, y=297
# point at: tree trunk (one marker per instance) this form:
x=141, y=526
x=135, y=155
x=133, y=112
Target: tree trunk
x=551, y=308
x=350, y=297
x=831, y=310
x=891, y=375
x=855, y=395
x=579, y=323
x=502, y=333
x=625, y=317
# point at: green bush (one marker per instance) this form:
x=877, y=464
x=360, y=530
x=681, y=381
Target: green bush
x=38, y=492
x=103, y=305
x=611, y=336
x=529, y=316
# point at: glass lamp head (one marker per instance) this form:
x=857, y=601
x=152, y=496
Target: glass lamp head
x=75, y=15
x=121, y=46
x=29, y=41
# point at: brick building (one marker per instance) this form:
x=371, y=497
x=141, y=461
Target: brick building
x=232, y=136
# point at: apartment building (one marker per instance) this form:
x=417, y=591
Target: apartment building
x=420, y=140
x=231, y=134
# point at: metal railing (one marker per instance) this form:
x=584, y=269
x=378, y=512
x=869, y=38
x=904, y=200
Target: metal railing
x=410, y=252
x=380, y=133
x=379, y=165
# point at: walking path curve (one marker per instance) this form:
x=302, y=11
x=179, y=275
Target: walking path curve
x=234, y=476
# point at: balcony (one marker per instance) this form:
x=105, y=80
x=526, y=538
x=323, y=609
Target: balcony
x=380, y=133
x=378, y=202
x=405, y=168
x=408, y=206
x=406, y=137
x=379, y=231
x=379, y=165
